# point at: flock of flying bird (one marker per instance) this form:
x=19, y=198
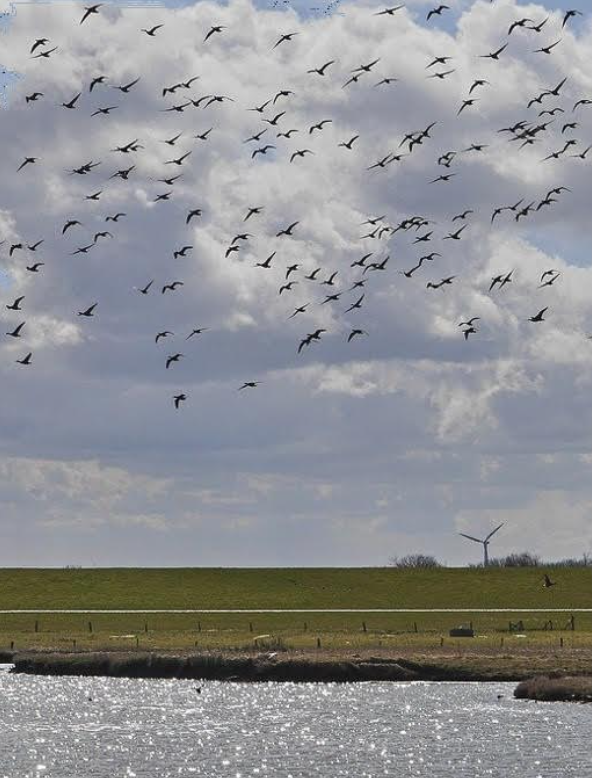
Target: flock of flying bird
x=544, y=113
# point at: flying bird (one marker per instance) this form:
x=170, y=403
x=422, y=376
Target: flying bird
x=253, y=212
x=16, y=332
x=195, y=212
x=355, y=332
x=357, y=305
x=163, y=334
x=547, y=49
x=437, y=11
x=125, y=88
x=39, y=42
x=263, y=150
x=45, y=54
x=389, y=11
x=288, y=230
x=146, y=289
x=349, y=144
x=173, y=358
x=152, y=31
x=27, y=161
x=539, y=316
x=178, y=399
x=519, y=23
x=16, y=305
x=91, y=9
x=321, y=71
x=570, y=15
x=495, y=55
x=197, y=331
x=172, y=286
x=96, y=81
x=89, y=311
x=319, y=125
x=287, y=37
x=300, y=153
x=213, y=30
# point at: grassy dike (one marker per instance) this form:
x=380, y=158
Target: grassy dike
x=387, y=587
x=297, y=646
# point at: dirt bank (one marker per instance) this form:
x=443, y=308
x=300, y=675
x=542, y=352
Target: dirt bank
x=290, y=666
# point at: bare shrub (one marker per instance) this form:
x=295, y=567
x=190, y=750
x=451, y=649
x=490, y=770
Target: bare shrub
x=415, y=562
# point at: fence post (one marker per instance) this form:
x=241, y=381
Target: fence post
x=36, y=626
x=146, y=627
x=364, y=626
x=415, y=627
x=318, y=642
x=250, y=626
x=199, y=626
x=305, y=626
x=90, y=627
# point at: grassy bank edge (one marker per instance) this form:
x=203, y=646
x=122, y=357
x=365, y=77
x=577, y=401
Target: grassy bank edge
x=281, y=666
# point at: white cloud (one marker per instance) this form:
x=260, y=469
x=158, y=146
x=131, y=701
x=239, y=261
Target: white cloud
x=92, y=422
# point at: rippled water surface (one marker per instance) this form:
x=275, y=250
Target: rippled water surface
x=112, y=728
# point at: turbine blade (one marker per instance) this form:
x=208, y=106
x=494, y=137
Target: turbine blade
x=470, y=537
x=494, y=531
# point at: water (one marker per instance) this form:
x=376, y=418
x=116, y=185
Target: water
x=111, y=728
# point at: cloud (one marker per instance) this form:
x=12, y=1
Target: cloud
x=411, y=415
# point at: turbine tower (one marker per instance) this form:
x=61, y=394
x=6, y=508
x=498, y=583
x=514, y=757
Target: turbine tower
x=485, y=542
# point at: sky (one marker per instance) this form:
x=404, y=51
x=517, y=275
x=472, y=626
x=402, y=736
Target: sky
x=345, y=453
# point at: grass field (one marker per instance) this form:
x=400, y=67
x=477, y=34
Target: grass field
x=129, y=589
x=206, y=588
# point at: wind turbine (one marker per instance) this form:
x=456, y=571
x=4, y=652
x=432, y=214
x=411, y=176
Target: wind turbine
x=484, y=542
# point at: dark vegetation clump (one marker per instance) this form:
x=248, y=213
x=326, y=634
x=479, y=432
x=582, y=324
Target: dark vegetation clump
x=523, y=559
x=415, y=562
x=544, y=689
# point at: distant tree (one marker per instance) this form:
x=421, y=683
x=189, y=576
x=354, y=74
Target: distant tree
x=523, y=559
x=414, y=562
x=584, y=561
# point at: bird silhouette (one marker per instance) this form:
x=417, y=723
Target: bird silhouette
x=16, y=332
x=354, y=333
x=173, y=358
x=91, y=9
x=89, y=311
x=539, y=316
x=178, y=399
x=16, y=305
x=153, y=30
x=437, y=11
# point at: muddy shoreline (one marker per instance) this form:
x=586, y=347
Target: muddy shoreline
x=284, y=666
x=544, y=689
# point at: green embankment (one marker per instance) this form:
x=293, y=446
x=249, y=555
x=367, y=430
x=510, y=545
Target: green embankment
x=129, y=588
